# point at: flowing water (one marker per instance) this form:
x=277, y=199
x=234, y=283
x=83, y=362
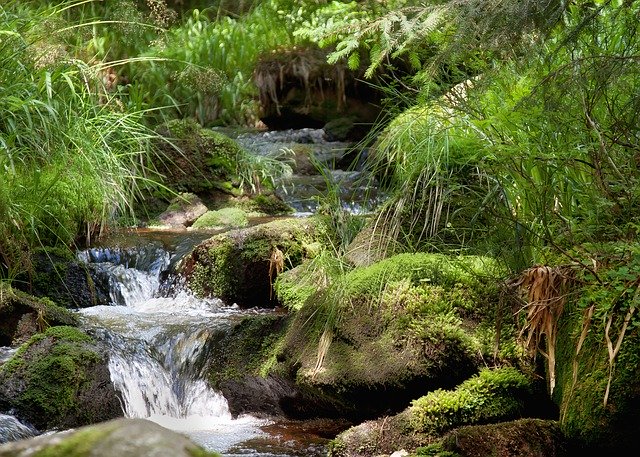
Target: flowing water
x=155, y=330
x=343, y=172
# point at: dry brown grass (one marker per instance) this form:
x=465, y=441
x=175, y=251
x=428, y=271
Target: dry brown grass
x=544, y=290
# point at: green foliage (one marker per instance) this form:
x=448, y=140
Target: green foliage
x=215, y=56
x=225, y=217
x=492, y=395
x=70, y=158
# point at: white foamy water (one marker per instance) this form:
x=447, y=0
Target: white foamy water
x=156, y=340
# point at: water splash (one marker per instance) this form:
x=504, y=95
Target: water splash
x=155, y=338
x=11, y=429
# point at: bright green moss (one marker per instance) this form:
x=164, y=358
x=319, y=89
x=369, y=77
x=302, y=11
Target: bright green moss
x=492, y=395
x=222, y=218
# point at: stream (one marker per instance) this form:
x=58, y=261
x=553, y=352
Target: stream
x=156, y=328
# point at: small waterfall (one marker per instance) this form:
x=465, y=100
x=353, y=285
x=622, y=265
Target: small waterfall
x=154, y=333
x=11, y=429
x=302, y=190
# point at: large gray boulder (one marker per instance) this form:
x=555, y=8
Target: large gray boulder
x=119, y=437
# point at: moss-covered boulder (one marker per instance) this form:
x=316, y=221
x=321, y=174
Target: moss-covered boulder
x=597, y=361
x=59, y=379
x=198, y=160
x=183, y=211
x=124, y=437
x=518, y=438
x=382, y=335
x=491, y=396
x=23, y=315
x=58, y=275
x=240, y=266
x=222, y=218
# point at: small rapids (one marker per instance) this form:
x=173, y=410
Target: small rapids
x=11, y=429
x=156, y=332
x=344, y=174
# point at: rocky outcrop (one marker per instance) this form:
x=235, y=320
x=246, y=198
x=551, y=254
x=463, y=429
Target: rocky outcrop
x=298, y=89
x=58, y=275
x=240, y=266
x=120, y=437
x=492, y=396
x=59, y=379
x=407, y=325
x=238, y=363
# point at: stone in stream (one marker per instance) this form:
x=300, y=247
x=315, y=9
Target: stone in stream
x=119, y=437
x=59, y=379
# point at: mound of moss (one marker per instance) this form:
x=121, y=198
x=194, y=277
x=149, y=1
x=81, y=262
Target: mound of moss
x=198, y=160
x=382, y=335
x=240, y=266
x=490, y=396
x=222, y=218
x=59, y=379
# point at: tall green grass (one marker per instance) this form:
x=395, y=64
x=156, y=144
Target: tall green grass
x=71, y=156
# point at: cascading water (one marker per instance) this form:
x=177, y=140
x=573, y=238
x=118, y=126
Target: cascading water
x=154, y=334
x=11, y=429
x=355, y=188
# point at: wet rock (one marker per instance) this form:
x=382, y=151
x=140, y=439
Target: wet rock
x=11, y=429
x=120, y=437
x=59, y=379
x=183, y=211
x=22, y=315
x=240, y=266
x=58, y=275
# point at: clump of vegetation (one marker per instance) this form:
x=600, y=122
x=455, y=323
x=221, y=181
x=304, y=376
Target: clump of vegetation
x=492, y=395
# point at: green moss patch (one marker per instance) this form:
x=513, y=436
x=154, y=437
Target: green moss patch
x=379, y=336
x=222, y=218
x=491, y=396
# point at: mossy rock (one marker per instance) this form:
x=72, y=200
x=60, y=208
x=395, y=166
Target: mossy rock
x=582, y=381
x=183, y=211
x=491, y=396
x=392, y=331
x=222, y=218
x=265, y=205
x=518, y=438
x=59, y=379
x=58, y=275
x=241, y=265
x=22, y=315
x=198, y=160
x=126, y=437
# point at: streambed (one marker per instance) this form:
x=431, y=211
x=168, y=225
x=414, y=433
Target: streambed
x=156, y=330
